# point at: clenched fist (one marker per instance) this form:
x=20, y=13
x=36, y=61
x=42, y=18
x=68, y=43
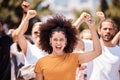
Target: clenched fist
x=25, y=6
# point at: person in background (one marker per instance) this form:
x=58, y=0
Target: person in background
x=102, y=65
x=86, y=34
x=116, y=39
x=5, y=43
x=58, y=38
x=2, y=32
x=83, y=38
x=32, y=52
x=16, y=58
x=81, y=72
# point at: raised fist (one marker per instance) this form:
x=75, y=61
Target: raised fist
x=90, y=22
x=100, y=15
x=25, y=6
x=31, y=13
x=84, y=16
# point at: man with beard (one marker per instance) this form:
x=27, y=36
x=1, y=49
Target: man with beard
x=107, y=65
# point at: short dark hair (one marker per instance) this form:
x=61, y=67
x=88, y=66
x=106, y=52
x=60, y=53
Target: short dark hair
x=57, y=22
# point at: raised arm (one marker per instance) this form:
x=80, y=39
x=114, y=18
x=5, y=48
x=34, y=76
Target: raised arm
x=39, y=76
x=88, y=56
x=80, y=20
x=25, y=6
x=19, y=32
x=116, y=38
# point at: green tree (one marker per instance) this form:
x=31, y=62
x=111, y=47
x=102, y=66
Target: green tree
x=104, y=5
x=11, y=12
x=112, y=10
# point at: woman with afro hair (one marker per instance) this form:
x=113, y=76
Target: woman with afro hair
x=58, y=38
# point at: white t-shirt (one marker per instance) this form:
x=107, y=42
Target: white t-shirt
x=106, y=66
x=33, y=54
x=88, y=45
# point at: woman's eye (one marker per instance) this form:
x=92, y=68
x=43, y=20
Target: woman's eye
x=61, y=39
x=55, y=39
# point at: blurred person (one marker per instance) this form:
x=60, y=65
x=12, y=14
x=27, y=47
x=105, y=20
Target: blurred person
x=32, y=52
x=81, y=72
x=102, y=68
x=18, y=60
x=2, y=32
x=5, y=43
x=58, y=38
x=83, y=37
x=86, y=34
x=103, y=65
x=116, y=39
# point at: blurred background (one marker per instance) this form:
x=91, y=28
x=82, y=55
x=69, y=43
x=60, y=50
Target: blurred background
x=11, y=12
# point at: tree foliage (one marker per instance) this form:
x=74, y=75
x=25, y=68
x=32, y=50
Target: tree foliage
x=11, y=11
x=113, y=11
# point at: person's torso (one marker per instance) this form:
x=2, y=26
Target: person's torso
x=106, y=65
x=34, y=53
x=5, y=43
x=61, y=68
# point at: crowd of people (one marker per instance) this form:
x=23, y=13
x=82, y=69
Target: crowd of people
x=58, y=51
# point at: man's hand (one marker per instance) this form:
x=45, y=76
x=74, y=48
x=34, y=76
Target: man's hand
x=25, y=6
x=100, y=15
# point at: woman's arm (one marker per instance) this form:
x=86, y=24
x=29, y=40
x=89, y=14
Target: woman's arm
x=80, y=20
x=88, y=56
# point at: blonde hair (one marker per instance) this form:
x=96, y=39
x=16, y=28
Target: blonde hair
x=84, y=31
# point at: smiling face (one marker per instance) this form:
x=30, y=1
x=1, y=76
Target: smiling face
x=58, y=42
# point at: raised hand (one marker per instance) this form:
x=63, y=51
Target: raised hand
x=25, y=6
x=90, y=22
x=100, y=15
x=84, y=16
x=31, y=13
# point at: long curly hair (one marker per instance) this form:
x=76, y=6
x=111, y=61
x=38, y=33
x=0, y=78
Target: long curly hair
x=57, y=22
